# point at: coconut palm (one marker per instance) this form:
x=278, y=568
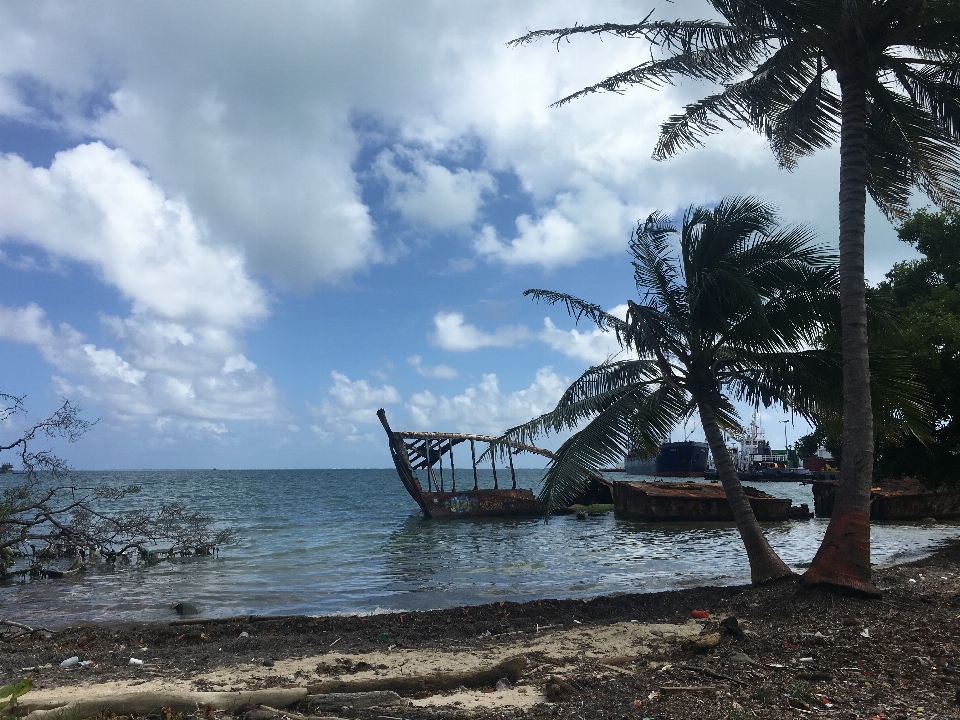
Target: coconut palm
x=883, y=76
x=733, y=315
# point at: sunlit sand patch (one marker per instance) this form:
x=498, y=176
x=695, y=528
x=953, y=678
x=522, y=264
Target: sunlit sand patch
x=564, y=648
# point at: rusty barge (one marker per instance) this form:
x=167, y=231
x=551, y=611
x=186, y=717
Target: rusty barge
x=903, y=499
x=670, y=501
x=427, y=452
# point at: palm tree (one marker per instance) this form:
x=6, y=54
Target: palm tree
x=883, y=76
x=728, y=317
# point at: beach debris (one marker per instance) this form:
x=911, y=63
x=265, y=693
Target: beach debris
x=510, y=669
x=815, y=676
x=700, y=614
x=558, y=690
x=70, y=662
x=620, y=660
x=710, y=673
x=742, y=659
x=185, y=608
x=731, y=626
x=150, y=703
x=244, y=634
x=135, y=661
x=503, y=684
x=704, y=642
x=249, y=711
x=25, y=628
x=334, y=702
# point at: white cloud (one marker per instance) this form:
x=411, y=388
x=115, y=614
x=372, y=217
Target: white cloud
x=347, y=405
x=431, y=194
x=355, y=401
x=442, y=372
x=181, y=354
x=588, y=222
x=592, y=346
x=484, y=408
x=257, y=119
x=166, y=370
x=452, y=333
x=95, y=206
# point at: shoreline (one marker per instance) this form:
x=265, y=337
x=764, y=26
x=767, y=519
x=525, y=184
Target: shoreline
x=849, y=658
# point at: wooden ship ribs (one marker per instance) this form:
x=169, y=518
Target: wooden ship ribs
x=428, y=451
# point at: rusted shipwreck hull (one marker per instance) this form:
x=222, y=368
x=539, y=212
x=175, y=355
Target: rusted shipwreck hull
x=691, y=501
x=428, y=452
x=904, y=499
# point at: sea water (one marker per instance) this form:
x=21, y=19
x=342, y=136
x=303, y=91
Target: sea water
x=353, y=541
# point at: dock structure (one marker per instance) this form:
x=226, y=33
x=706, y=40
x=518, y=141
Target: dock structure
x=900, y=499
x=691, y=501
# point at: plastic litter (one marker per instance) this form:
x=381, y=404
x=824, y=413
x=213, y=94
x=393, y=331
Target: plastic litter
x=136, y=661
x=244, y=634
x=731, y=626
x=86, y=663
x=700, y=614
x=70, y=662
x=503, y=684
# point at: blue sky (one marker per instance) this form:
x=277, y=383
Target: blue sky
x=232, y=231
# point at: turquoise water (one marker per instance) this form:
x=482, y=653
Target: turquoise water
x=352, y=541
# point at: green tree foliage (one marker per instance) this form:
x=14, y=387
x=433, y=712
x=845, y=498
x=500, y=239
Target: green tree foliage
x=47, y=513
x=9, y=695
x=880, y=76
x=926, y=296
x=728, y=316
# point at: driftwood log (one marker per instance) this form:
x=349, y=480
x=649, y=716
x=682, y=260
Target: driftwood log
x=434, y=682
x=144, y=703
x=333, y=702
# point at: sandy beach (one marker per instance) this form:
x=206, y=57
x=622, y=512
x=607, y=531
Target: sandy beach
x=788, y=654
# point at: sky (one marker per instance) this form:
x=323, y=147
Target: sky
x=231, y=231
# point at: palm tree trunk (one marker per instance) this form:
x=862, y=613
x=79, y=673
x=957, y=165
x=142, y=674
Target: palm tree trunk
x=765, y=564
x=843, y=560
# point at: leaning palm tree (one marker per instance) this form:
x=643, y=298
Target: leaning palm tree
x=732, y=316
x=883, y=76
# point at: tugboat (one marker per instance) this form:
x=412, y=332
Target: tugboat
x=675, y=459
x=756, y=461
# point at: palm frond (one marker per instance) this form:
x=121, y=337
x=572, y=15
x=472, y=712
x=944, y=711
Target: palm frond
x=577, y=309
x=590, y=394
x=907, y=149
x=637, y=420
